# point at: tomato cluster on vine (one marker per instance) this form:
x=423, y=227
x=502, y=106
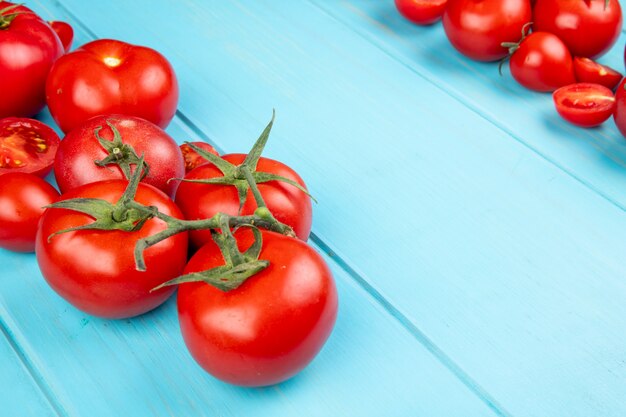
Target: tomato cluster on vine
x=138, y=216
x=550, y=46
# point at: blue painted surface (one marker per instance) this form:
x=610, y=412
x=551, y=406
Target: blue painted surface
x=476, y=239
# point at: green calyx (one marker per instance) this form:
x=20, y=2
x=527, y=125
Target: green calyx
x=119, y=153
x=235, y=175
x=126, y=214
x=514, y=46
x=6, y=19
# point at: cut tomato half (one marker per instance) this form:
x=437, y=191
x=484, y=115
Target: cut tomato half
x=584, y=104
x=27, y=145
x=589, y=71
x=192, y=158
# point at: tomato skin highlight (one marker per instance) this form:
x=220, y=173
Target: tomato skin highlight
x=477, y=28
x=108, y=76
x=589, y=71
x=585, y=26
x=74, y=165
x=584, y=104
x=421, y=12
x=22, y=200
x=27, y=145
x=28, y=48
x=95, y=270
x=269, y=328
x=287, y=203
x=542, y=63
x=192, y=158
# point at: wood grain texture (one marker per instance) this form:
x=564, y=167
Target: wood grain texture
x=506, y=263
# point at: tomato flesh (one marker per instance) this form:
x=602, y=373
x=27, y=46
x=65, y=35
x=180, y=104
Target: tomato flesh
x=589, y=71
x=584, y=104
x=192, y=158
x=26, y=145
x=422, y=12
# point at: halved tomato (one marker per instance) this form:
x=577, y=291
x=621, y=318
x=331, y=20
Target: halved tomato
x=590, y=71
x=584, y=104
x=27, y=145
x=192, y=158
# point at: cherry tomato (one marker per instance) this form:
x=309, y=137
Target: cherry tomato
x=65, y=32
x=587, y=27
x=191, y=157
x=584, y=104
x=287, y=203
x=477, y=28
x=22, y=198
x=422, y=12
x=542, y=63
x=28, y=48
x=108, y=76
x=589, y=71
x=26, y=145
x=94, y=270
x=74, y=165
x=270, y=327
x=619, y=116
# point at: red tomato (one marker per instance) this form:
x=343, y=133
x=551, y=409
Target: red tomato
x=619, y=116
x=288, y=204
x=65, y=32
x=269, y=328
x=589, y=71
x=22, y=198
x=26, y=145
x=477, y=28
x=542, y=63
x=584, y=104
x=74, y=165
x=192, y=158
x=587, y=27
x=422, y=12
x=95, y=270
x=28, y=48
x=108, y=76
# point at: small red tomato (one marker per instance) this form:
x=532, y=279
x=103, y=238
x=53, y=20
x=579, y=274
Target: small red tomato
x=65, y=32
x=75, y=166
x=422, y=12
x=619, y=116
x=22, y=200
x=589, y=71
x=26, y=145
x=477, y=28
x=584, y=104
x=108, y=76
x=542, y=63
x=588, y=27
x=287, y=203
x=94, y=270
x=28, y=48
x=272, y=326
x=192, y=158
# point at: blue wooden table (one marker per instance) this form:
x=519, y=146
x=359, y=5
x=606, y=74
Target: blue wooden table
x=477, y=240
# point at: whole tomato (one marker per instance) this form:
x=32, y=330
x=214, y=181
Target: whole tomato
x=65, y=32
x=421, y=12
x=28, y=48
x=22, y=200
x=542, y=62
x=477, y=28
x=74, y=164
x=269, y=328
x=588, y=27
x=94, y=270
x=26, y=145
x=287, y=203
x=619, y=116
x=108, y=76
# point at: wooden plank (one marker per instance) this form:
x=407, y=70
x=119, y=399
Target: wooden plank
x=508, y=263
x=20, y=395
x=139, y=367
